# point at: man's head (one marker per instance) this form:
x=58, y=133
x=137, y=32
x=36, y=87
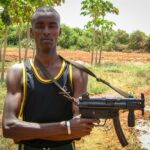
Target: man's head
x=44, y=10
x=45, y=28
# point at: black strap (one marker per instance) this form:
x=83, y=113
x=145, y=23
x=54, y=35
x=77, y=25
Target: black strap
x=48, y=75
x=89, y=72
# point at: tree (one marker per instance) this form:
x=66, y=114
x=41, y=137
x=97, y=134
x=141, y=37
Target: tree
x=122, y=37
x=6, y=20
x=120, y=40
x=147, y=45
x=97, y=10
x=68, y=37
x=137, y=40
x=17, y=19
x=1, y=38
x=84, y=40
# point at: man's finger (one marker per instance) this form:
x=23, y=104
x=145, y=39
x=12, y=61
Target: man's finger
x=89, y=120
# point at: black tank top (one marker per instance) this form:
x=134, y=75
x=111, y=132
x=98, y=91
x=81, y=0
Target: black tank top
x=44, y=102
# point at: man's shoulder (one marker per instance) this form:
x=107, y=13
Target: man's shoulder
x=78, y=68
x=16, y=67
x=15, y=71
x=78, y=71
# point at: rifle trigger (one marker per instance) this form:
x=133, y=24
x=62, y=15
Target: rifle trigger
x=99, y=124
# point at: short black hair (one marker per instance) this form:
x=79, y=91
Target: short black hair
x=44, y=9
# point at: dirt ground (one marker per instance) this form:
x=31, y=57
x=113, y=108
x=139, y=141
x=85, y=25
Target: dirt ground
x=12, y=54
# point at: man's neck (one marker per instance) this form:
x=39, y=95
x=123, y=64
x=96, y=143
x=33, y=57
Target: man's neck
x=48, y=59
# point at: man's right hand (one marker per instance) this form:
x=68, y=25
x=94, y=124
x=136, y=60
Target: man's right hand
x=81, y=127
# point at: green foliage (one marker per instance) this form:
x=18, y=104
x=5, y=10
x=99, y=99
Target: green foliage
x=5, y=18
x=75, y=38
x=2, y=93
x=84, y=40
x=1, y=29
x=137, y=40
x=147, y=45
x=5, y=2
x=68, y=37
x=97, y=10
x=12, y=36
x=122, y=37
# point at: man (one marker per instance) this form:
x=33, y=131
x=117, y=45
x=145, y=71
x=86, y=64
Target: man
x=48, y=120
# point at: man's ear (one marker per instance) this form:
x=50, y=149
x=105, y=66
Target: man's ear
x=60, y=32
x=31, y=32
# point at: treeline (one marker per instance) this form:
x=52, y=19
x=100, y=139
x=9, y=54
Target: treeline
x=76, y=38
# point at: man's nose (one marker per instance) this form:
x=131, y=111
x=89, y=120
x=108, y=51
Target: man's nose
x=46, y=31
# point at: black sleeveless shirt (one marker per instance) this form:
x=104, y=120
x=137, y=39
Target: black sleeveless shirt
x=44, y=102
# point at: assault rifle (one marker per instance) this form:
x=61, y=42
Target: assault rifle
x=108, y=108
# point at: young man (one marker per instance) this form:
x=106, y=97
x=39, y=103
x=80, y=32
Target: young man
x=48, y=120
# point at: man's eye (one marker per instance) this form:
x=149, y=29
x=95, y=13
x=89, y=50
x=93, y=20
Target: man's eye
x=40, y=26
x=52, y=26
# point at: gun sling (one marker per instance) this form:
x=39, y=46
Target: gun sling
x=81, y=67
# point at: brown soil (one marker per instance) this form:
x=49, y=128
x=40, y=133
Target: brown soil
x=12, y=54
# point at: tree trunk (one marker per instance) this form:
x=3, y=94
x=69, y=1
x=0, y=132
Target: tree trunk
x=4, y=53
x=28, y=41
x=96, y=52
x=101, y=48
x=96, y=57
x=1, y=45
x=92, y=56
x=19, y=39
x=100, y=56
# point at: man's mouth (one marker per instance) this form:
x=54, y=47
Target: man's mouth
x=46, y=39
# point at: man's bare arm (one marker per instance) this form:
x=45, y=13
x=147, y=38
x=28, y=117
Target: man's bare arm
x=12, y=126
x=80, y=80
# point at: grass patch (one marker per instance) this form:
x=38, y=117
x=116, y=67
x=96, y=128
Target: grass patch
x=2, y=94
x=7, y=144
x=112, y=67
x=128, y=77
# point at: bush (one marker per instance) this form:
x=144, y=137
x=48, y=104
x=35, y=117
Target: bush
x=122, y=37
x=147, y=45
x=137, y=40
x=68, y=37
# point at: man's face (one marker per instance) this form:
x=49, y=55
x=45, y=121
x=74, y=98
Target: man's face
x=46, y=30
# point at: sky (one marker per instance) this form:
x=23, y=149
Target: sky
x=133, y=15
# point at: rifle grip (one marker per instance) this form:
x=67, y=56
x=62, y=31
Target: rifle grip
x=131, y=118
